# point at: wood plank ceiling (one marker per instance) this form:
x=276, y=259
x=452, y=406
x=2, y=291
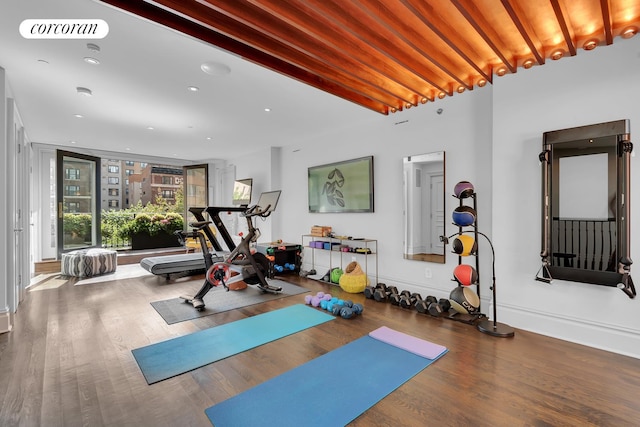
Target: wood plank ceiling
x=389, y=55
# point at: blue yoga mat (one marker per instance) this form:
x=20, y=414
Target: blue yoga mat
x=353, y=377
x=176, y=356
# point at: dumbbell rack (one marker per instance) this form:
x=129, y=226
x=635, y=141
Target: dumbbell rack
x=454, y=315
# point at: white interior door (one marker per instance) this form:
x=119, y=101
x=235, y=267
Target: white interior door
x=437, y=214
x=18, y=206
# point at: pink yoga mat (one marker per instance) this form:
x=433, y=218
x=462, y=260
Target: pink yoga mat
x=409, y=343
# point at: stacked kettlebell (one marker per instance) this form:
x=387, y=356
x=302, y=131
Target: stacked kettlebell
x=344, y=308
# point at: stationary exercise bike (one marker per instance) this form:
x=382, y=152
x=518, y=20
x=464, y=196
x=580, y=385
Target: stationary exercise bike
x=252, y=268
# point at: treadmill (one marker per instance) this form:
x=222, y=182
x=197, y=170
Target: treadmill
x=181, y=265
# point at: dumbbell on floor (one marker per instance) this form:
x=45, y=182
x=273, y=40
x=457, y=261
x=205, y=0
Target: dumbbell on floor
x=422, y=305
x=409, y=301
x=385, y=294
x=369, y=291
x=396, y=297
x=433, y=306
x=441, y=307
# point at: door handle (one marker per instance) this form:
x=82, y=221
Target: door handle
x=59, y=209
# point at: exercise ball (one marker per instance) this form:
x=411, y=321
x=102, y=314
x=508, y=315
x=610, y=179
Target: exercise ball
x=465, y=274
x=464, y=300
x=464, y=216
x=464, y=245
x=463, y=189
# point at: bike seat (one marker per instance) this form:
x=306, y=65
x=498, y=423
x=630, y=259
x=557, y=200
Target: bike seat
x=200, y=224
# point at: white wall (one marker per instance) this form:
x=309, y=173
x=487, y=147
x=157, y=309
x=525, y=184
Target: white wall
x=592, y=87
x=6, y=225
x=492, y=137
x=463, y=130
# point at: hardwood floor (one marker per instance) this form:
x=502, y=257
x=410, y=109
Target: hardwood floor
x=68, y=362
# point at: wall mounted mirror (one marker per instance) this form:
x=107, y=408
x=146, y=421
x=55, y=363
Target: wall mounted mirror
x=585, y=205
x=424, y=207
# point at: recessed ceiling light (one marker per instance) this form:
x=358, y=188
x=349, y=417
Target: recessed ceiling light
x=150, y=127
x=267, y=109
x=73, y=142
x=193, y=89
x=84, y=91
x=127, y=149
x=215, y=68
x=93, y=47
x=79, y=116
x=90, y=60
x=208, y=138
x=629, y=32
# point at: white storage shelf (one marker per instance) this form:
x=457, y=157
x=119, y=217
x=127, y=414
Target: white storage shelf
x=339, y=258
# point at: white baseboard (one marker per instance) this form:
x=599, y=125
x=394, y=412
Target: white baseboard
x=608, y=337
x=5, y=323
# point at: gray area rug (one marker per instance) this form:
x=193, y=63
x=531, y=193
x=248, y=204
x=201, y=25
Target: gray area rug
x=218, y=300
x=128, y=271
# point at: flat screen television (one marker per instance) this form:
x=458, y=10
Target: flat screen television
x=242, y=191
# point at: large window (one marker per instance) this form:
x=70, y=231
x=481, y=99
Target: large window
x=114, y=169
x=114, y=203
x=113, y=180
x=167, y=194
x=73, y=207
x=167, y=180
x=71, y=190
x=114, y=191
x=129, y=163
x=128, y=172
x=72, y=173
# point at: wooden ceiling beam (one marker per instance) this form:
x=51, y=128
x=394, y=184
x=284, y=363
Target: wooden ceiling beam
x=484, y=30
x=204, y=15
x=341, y=43
x=564, y=26
x=606, y=20
x=171, y=20
x=389, y=55
x=416, y=57
x=370, y=29
x=525, y=29
x=450, y=36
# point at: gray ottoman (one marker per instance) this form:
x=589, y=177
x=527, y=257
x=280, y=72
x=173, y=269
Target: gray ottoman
x=89, y=262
